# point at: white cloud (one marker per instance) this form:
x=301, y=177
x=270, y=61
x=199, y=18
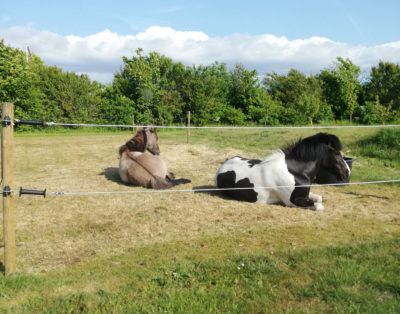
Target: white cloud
x=99, y=55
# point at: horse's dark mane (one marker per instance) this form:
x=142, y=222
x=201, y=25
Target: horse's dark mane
x=313, y=147
x=135, y=144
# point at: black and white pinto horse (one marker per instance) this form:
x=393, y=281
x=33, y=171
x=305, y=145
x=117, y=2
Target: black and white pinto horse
x=284, y=176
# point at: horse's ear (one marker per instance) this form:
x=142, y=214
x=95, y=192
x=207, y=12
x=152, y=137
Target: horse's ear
x=153, y=130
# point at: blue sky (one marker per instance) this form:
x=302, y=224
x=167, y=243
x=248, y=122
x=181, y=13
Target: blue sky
x=98, y=32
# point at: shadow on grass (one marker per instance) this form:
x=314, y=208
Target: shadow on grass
x=210, y=190
x=363, y=195
x=111, y=174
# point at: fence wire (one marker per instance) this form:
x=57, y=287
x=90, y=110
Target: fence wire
x=204, y=190
x=218, y=127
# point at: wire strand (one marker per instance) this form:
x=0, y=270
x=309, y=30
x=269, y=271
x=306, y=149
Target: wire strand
x=87, y=193
x=219, y=127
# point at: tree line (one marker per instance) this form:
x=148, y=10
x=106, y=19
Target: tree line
x=158, y=90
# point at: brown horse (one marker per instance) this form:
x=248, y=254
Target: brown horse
x=137, y=167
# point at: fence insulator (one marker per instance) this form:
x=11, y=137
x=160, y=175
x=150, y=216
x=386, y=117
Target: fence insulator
x=6, y=121
x=6, y=191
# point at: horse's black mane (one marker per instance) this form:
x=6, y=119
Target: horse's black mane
x=313, y=147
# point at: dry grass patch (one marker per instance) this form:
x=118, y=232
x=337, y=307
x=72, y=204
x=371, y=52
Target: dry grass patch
x=60, y=231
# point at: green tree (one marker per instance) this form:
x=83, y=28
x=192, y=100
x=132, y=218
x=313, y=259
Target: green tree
x=171, y=104
x=375, y=112
x=68, y=97
x=300, y=96
x=138, y=81
x=384, y=83
x=116, y=108
x=243, y=88
x=205, y=94
x=341, y=87
x=14, y=74
x=16, y=80
x=266, y=111
x=48, y=93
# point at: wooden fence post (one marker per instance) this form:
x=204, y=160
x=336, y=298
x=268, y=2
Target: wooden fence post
x=188, y=129
x=7, y=172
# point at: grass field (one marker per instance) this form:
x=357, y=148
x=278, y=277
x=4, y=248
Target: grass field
x=197, y=252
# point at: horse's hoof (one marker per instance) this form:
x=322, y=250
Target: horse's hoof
x=318, y=206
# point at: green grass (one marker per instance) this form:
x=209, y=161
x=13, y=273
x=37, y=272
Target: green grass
x=384, y=145
x=359, y=278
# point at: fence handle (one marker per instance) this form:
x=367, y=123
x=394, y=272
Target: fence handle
x=23, y=191
x=28, y=122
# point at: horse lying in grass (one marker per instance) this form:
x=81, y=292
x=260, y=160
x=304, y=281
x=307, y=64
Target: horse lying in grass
x=137, y=167
x=284, y=176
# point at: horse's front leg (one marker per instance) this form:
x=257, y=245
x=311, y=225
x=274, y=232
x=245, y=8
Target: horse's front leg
x=308, y=203
x=302, y=201
x=302, y=197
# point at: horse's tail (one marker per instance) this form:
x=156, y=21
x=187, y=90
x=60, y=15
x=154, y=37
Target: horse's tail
x=166, y=183
x=181, y=181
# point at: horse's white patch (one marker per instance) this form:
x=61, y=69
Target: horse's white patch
x=271, y=178
x=318, y=206
x=135, y=154
x=347, y=166
x=315, y=197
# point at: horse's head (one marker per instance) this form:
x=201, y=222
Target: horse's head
x=151, y=140
x=144, y=139
x=334, y=164
x=324, y=149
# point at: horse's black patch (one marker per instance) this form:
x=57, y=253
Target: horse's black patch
x=253, y=162
x=227, y=180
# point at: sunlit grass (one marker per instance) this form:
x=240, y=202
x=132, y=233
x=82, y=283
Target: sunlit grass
x=187, y=277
